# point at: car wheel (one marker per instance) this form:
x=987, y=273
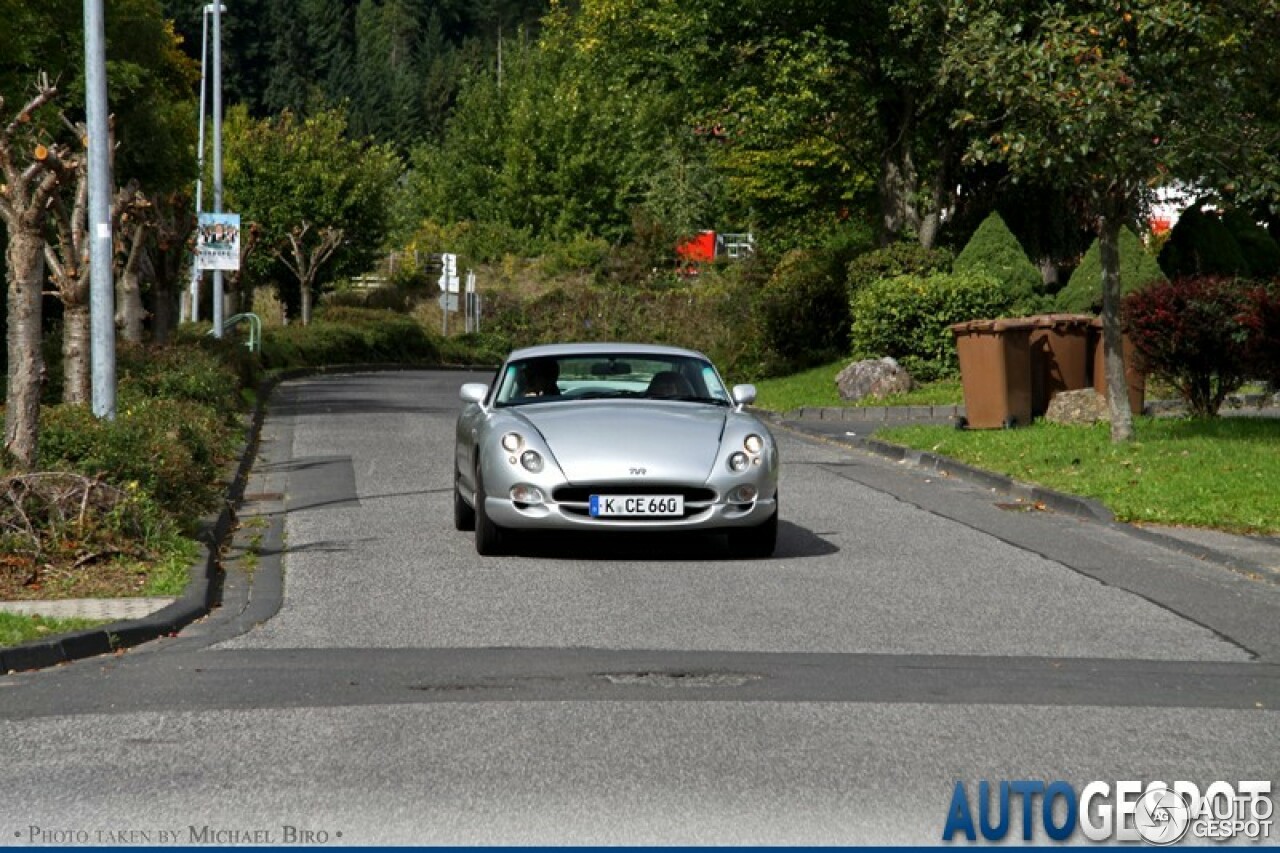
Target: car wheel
x=490, y=538
x=464, y=515
x=755, y=542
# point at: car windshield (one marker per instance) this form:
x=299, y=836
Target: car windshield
x=548, y=379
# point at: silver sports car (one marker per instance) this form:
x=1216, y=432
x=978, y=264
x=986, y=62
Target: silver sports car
x=613, y=437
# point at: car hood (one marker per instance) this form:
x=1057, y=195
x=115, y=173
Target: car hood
x=614, y=440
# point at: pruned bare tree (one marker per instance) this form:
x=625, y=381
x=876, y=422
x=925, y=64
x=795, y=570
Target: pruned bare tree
x=68, y=260
x=306, y=255
x=33, y=173
x=131, y=236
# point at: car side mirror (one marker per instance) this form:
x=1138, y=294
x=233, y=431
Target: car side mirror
x=473, y=392
x=744, y=395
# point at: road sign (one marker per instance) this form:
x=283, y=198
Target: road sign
x=448, y=301
x=448, y=280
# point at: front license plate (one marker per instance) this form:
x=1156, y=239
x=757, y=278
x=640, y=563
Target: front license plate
x=637, y=505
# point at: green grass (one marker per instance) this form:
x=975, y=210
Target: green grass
x=1221, y=473
x=18, y=628
x=817, y=387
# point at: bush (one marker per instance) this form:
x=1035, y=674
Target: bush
x=172, y=449
x=908, y=317
x=197, y=374
x=1264, y=326
x=1083, y=293
x=1201, y=245
x=1196, y=334
x=993, y=248
x=341, y=335
x=907, y=258
x=803, y=308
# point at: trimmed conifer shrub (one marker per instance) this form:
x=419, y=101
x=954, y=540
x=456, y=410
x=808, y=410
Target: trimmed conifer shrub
x=1199, y=245
x=994, y=249
x=1083, y=293
x=1260, y=250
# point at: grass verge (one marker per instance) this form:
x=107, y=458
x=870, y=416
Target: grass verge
x=17, y=628
x=1219, y=473
x=817, y=387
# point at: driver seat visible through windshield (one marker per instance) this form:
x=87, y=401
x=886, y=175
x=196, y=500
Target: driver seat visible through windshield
x=668, y=383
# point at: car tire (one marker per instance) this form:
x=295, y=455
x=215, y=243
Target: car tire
x=464, y=515
x=755, y=543
x=491, y=539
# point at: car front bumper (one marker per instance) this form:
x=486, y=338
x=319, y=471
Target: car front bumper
x=556, y=516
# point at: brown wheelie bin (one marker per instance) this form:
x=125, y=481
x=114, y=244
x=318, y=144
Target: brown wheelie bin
x=1060, y=350
x=1133, y=376
x=995, y=370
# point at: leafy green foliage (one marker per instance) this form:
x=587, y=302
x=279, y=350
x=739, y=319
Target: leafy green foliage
x=903, y=258
x=1196, y=335
x=909, y=317
x=803, y=308
x=171, y=449
x=284, y=171
x=1083, y=293
x=993, y=248
x=342, y=335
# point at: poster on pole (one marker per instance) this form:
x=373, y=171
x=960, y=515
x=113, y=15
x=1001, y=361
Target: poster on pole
x=218, y=241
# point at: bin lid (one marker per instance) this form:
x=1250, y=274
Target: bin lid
x=1061, y=321
x=1013, y=324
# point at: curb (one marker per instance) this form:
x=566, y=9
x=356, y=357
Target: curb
x=1073, y=505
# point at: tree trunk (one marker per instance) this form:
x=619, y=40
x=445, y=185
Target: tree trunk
x=306, y=302
x=77, y=385
x=24, y=257
x=130, y=312
x=1112, y=333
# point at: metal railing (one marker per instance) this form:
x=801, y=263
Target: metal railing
x=255, y=329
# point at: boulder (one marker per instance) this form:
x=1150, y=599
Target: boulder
x=877, y=377
x=1084, y=406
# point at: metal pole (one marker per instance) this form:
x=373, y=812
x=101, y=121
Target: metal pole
x=101, y=287
x=204, y=56
x=217, y=155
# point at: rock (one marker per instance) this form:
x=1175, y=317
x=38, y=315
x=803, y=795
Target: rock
x=877, y=377
x=1085, y=406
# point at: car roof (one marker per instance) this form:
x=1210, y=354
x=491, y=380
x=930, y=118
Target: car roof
x=597, y=348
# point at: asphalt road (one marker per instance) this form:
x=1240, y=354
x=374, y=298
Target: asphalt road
x=911, y=632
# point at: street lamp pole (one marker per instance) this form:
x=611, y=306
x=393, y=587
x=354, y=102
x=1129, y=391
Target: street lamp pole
x=102, y=324
x=217, y=155
x=204, y=87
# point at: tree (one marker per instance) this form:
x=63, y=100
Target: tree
x=1104, y=99
x=283, y=172
x=307, y=252
x=33, y=174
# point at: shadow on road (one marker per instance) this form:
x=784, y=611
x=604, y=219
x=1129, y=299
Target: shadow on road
x=794, y=542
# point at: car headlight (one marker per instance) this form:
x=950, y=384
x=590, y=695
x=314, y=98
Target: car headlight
x=531, y=460
x=753, y=443
x=512, y=441
x=738, y=462
x=524, y=494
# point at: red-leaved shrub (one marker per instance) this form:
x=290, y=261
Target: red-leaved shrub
x=1264, y=323
x=1198, y=334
